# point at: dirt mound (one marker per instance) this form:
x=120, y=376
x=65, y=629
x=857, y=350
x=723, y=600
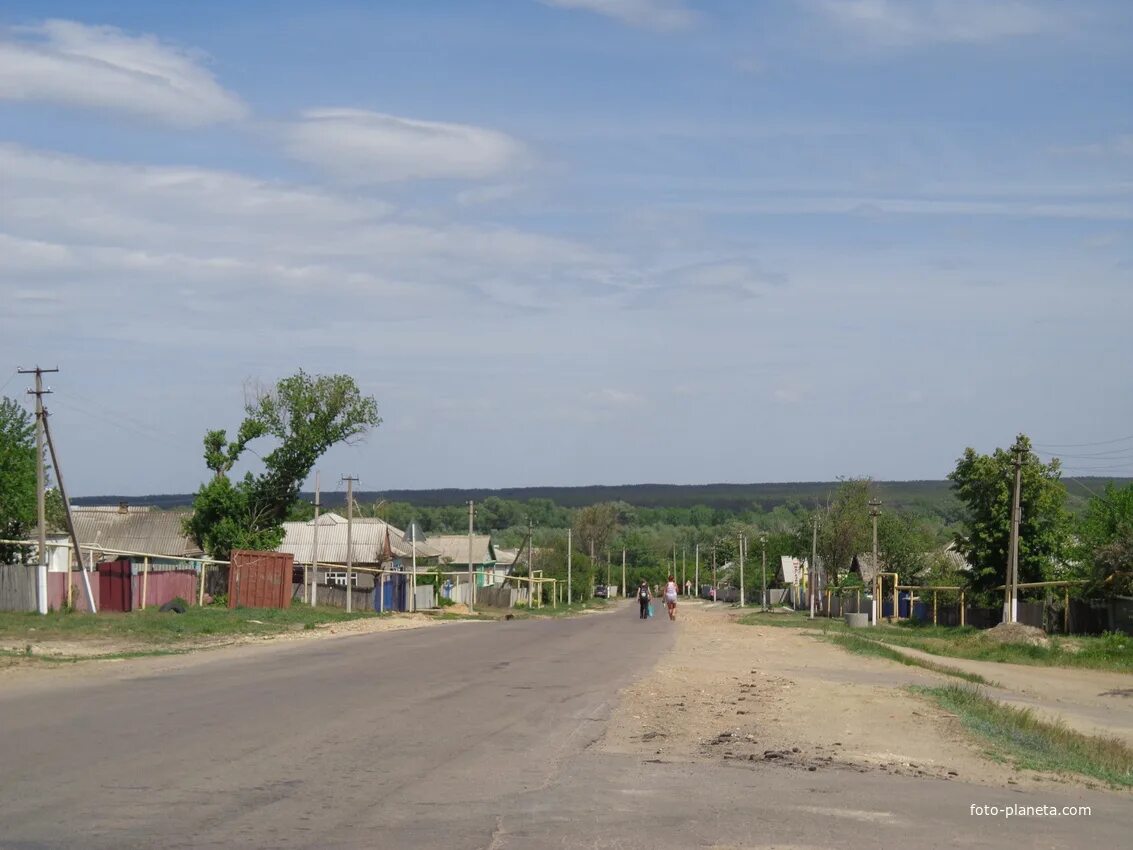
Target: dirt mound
x=1017, y=633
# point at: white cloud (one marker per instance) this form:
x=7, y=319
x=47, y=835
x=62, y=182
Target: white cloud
x=913, y=22
x=362, y=147
x=648, y=14
x=101, y=67
x=165, y=231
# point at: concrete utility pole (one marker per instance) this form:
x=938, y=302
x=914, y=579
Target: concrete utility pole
x=623, y=573
x=813, y=564
x=1011, y=601
x=684, y=569
x=741, y=536
x=349, y=540
x=471, y=575
x=696, y=571
x=591, y=553
x=315, y=548
x=570, y=552
x=763, y=543
x=530, y=567
x=875, y=512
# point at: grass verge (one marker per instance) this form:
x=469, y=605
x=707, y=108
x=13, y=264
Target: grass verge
x=864, y=646
x=1033, y=744
x=1111, y=651
x=522, y=612
x=151, y=630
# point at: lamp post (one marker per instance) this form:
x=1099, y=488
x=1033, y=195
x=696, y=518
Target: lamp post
x=763, y=543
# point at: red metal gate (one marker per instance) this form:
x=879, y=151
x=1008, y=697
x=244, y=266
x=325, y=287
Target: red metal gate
x=115, y=590
x=260, y=579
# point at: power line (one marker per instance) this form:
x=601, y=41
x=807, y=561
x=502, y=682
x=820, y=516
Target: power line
x=1084, y=445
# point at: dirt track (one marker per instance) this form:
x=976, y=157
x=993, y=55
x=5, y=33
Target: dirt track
x=778, y=695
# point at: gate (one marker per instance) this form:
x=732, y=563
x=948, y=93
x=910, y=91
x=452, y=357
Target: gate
x=260, y=580
x=115, y=586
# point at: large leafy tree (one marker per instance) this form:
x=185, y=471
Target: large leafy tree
x=305, y=415
x=17, y=473
x=1105, y=539
x=985, y=485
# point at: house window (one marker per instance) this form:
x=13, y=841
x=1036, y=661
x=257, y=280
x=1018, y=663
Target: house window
x=339, y=578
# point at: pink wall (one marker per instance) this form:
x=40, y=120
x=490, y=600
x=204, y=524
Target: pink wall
x=164, y=586
x=57, y=590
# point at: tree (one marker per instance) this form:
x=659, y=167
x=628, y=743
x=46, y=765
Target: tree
x=307, y=415
x=844, y=527
x=17, y=473
x=985, y=485
x=1105, y=540
x=594, y=526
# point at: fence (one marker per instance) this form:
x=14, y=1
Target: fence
x=18, y=587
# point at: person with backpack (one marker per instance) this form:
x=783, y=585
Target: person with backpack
x=643, y=597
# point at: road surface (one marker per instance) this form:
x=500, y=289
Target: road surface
x=466, y=735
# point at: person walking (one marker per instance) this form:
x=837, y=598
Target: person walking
x=643, y=597
x=671, y=597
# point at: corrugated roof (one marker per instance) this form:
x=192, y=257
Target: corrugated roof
x=372, y=541
x=453, y=548
x=134, y=530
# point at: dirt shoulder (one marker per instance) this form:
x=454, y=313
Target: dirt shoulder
x=778, y=695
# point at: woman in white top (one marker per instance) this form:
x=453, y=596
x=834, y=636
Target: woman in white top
x=671, y=598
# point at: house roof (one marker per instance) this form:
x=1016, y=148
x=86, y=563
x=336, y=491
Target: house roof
x=453, y=548
x=865, y=567
x=130, y=529
x=372, y=541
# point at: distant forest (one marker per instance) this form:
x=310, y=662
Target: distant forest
x=928, y=498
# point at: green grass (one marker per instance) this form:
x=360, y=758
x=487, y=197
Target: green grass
x=1111, y=651
x=1017, y=735
x=863, y=646
x=562, y=610
x=155, y=630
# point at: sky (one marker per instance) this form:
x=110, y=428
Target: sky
x=569, y=242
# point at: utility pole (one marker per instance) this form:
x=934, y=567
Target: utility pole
x=530, y=567
x=315, y=547
x=570, y=553
x=684, y=570
x=623, y=573
x=70, y=522
x=875, y=512
x=813, y=563
x=715, y=594
x=741, y=536
x=763, y=543
x=349, y=540
x=41, y=480
x=1011, y=601
x=471, y=576
x=696, y=570
x=591, y=553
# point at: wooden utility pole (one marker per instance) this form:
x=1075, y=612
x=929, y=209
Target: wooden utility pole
x=1011, y=590
x=349, y=540
x=41, y=474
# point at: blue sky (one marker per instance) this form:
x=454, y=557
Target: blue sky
x=574, y=241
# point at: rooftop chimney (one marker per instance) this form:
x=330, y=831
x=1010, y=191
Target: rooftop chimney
x=123, y=507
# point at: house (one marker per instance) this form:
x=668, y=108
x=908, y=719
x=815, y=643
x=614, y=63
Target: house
x=374, y=544
x=863, y=565
x=452, y=556
x=142, y=555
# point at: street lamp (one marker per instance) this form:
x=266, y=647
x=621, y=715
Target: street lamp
x=763, y=543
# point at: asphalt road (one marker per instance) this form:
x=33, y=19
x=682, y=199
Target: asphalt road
x=470, y=735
